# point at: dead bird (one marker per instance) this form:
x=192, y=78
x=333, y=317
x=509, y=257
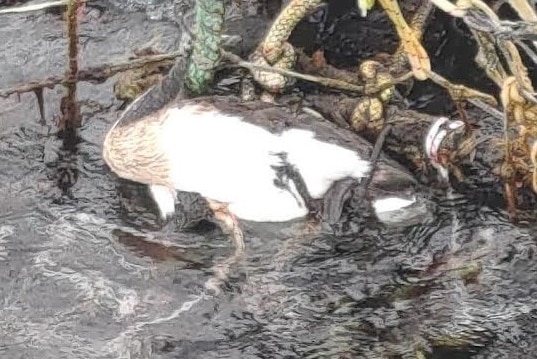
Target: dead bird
x=253, y=161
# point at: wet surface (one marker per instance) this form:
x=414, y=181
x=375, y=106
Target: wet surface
x=87, y=270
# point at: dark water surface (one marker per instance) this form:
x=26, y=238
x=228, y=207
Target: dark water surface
x=87, y=272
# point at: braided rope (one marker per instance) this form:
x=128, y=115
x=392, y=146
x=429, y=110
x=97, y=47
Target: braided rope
x=209, y=22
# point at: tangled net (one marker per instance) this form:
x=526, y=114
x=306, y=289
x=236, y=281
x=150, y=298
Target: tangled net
x=499, y=42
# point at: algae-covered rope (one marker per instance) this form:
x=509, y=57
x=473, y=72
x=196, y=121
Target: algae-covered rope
x=193, y=70
x=282, y=27
x=275, y=50
x=209, y=22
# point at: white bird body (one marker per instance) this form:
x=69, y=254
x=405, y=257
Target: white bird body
x=234, y=162
x=232, y=154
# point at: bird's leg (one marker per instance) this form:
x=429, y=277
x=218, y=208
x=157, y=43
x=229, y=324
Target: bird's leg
x=229, y=222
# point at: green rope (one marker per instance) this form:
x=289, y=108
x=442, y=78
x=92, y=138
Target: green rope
x=209, y=22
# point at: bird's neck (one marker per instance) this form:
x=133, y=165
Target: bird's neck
x=134, y=152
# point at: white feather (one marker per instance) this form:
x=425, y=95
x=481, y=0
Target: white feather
x=390, y=204
x=321, y=163
x=165, y=199
x=226, y=159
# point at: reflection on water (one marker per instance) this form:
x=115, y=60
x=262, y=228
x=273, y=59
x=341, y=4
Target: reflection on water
x=87, y=271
